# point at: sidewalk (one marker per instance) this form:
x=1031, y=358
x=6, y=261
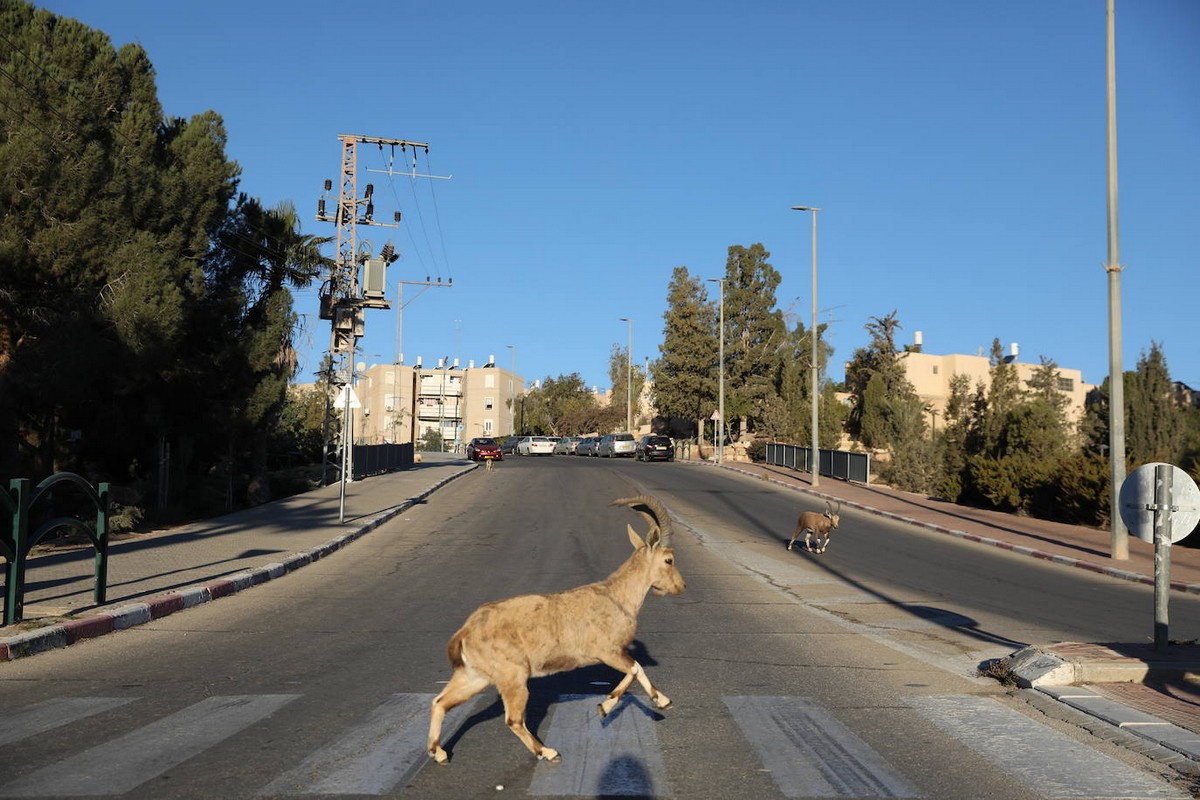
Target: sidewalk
x=1156, y=700
x=153, y=575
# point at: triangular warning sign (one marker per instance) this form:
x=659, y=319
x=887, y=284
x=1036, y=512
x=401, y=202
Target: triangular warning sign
x=346, y=395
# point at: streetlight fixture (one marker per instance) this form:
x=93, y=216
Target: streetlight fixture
x=816, y=452
x=628, y=377
x=720, y=370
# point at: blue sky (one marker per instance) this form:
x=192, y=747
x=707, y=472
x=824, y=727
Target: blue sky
x=956, y=149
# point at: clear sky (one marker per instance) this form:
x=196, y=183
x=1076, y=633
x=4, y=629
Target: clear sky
x=956, y=149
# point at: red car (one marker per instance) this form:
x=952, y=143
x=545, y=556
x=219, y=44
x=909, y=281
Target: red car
x=483, y=447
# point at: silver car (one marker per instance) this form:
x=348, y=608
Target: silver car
x=616, y=445
x=566, y=445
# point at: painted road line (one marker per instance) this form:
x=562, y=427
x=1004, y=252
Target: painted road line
x=52, y=714
x=811, y=754
x=614, y=757
x=1050, y=763
x=383, y=751
x=122, y=764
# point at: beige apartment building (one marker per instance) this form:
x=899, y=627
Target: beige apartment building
x=930, y=376
x=400, y=402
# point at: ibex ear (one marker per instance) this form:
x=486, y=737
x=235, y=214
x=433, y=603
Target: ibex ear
x=654, y=538
x=634, y=539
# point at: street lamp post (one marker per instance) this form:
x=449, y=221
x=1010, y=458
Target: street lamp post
x=816, y=452
x=1118, y=535
x=629, y=377
x=513, y=408
x=720, y=369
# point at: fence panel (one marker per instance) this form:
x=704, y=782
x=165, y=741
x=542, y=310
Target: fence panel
x=841, y=464
x=374, y=459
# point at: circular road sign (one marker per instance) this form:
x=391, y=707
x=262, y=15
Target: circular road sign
x=1137, y=492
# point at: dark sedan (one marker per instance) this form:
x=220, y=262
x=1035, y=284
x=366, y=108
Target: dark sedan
x=654, y=448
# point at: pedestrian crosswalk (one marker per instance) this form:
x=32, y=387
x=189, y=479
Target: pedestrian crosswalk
x=804, y=747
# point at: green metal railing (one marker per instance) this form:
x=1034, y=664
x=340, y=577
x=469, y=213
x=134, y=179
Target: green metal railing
x=17, y=541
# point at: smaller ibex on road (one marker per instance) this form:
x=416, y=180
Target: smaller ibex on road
x=507, y=642
x=811, y=522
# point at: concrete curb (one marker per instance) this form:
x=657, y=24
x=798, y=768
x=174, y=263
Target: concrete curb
x=1139, y=723
x=67, y=633
x=1091, y=566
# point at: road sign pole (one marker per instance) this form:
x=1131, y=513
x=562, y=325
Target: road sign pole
x=1162, y=554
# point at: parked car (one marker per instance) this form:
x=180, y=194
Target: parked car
x=587, y=446
x=566, y=445
x=509, y=446
x=535, y=446
x=654, y=448
x=482, y=447
x=615, y=445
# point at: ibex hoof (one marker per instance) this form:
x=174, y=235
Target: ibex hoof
x=439, y=755
x=662, y=701
x=550, y=754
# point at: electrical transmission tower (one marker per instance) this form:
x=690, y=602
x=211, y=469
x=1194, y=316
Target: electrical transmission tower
x=344, y=297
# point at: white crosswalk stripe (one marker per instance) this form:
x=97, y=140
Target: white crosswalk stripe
x=614, y=757
x=52, y=714
x=382, y=751
x=806, y=749
x=811, y=754
x=122, y=764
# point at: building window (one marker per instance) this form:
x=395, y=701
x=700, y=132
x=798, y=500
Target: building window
x=487, y=427
x=488, y=403
x=935, y=369
x=1066, y=385
x=489, y=381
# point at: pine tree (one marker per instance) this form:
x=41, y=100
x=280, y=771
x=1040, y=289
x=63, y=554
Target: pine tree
x=110, y=210
x=685, y=374
x=755, y=332
x=1154, y=428
x=876, y=379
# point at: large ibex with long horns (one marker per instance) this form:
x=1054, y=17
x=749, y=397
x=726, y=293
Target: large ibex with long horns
x=507, y=642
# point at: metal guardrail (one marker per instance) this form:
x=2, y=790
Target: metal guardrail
x=16, y=540
x=841, y=464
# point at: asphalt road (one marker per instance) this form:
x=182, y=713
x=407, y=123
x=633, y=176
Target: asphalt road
x=848, y=675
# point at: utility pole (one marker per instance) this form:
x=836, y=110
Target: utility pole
x=343, y=297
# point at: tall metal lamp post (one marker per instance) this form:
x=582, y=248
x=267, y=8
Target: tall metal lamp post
x=816, y=452
x=1118, y=535
x=720, y=369
x=629, y=377
x=513, y=348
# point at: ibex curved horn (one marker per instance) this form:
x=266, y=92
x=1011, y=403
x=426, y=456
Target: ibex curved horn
x=655, y=513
